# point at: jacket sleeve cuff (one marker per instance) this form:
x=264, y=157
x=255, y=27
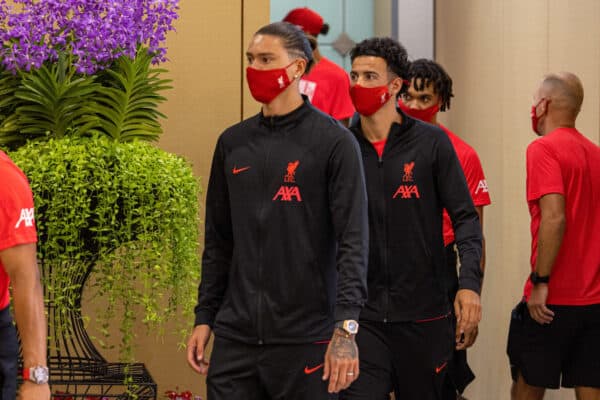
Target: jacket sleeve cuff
x=470, y=283
x=203, y=318
x=344, y=312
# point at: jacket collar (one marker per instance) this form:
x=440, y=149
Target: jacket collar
x=397, y=130
x=288, y=120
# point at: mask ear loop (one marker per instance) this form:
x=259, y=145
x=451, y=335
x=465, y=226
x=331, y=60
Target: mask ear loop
x=296, y=76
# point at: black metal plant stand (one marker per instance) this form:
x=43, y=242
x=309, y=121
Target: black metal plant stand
x=77, y=369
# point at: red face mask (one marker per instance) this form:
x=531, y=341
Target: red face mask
x=425, y=114
x=534, y=119
x=267, y=84
x=368, y=101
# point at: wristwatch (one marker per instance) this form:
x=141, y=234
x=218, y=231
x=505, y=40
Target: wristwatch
x=37, y=374
x=349, y=326
x=535, y=278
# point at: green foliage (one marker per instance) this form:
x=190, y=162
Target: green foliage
x=125, y=212
x=127, y=102
x=55, y=100
x=9, y=130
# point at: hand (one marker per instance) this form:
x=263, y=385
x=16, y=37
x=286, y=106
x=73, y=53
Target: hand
x=196, y=346
x=341, y=361
x=467, y=308
x=537, y=304
x=467, y=341
x=33, y=391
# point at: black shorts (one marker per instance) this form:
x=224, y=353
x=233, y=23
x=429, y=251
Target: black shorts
x=9, y=351
x=565, y=352
x=408, y=358
x=459, y=374
x=240, y=371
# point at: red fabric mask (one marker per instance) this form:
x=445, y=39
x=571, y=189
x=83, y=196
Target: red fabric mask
x=368, y=101
x=267, y=84
x=425, y=114
x=534, y=119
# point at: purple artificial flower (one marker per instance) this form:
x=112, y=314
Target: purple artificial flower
x=93, y=32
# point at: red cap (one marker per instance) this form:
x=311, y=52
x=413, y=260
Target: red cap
x=307, y=19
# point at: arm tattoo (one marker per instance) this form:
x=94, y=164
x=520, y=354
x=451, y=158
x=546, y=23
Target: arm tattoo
x=343, y=347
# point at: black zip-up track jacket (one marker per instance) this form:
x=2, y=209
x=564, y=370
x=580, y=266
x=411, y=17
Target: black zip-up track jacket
x=286, y=240
x=417, y=177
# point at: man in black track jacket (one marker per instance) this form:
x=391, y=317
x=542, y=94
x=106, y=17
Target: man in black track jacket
x=412, y=173
x=286, y=241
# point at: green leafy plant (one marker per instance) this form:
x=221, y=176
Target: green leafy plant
x=55, y=101
x=79, y=100
x=126, y=213
x=127, y=103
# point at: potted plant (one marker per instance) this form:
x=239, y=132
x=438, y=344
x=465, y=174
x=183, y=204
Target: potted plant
x=79, y=97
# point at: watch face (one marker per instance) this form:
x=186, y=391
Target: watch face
x=352, y=326
x=39, y=374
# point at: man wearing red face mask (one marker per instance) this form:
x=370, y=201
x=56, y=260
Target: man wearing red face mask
x=326, y=85
x=555, y=330
x=430, y=91
x=412, y=173
x=284, y=263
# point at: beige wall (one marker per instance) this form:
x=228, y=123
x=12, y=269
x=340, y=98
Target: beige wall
x=382, y=18
x=496, y=52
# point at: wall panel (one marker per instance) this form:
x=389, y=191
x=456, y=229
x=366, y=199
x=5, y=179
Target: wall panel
x=573, y=36
x=497, y=52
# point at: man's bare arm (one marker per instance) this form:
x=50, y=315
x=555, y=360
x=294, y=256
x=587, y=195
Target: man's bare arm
x=20, y=263
x=550, y=235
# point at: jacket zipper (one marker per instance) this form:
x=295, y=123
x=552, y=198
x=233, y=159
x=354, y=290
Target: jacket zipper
x=385, y=238
x=265, y=198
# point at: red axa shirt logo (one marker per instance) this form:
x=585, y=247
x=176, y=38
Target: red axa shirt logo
x=289, y=193
x=407, y=192
x=408, y=172
x=482, y=186
x=26, y=219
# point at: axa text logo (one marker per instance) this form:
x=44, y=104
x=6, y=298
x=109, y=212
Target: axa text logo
x=288, y=193
x=482, y=186
x=26, y=218
x=407, y=192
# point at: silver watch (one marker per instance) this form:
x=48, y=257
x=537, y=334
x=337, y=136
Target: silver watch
x=38, y=374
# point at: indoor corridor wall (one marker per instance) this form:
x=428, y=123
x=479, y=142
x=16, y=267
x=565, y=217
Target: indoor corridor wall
x=497, y=51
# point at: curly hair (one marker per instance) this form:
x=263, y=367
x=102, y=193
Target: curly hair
x=389, y=49
x=428, y=72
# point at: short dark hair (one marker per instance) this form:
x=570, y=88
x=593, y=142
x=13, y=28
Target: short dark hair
x=387, y=48
x=293, y=38
x=429, y=72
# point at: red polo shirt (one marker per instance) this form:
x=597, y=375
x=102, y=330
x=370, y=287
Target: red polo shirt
x=567, y=163
x=471, y=166
x=17, y=224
